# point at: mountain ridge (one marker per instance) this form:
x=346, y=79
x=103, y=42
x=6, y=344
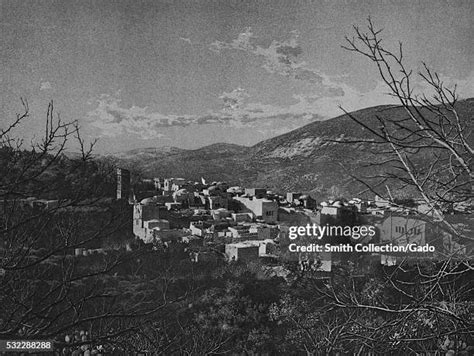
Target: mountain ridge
x=309, y=158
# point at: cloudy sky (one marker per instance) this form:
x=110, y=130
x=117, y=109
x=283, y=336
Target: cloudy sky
x=190, y=73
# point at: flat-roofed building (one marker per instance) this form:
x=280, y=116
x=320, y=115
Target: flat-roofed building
x=241, y=251
x=264, y=209
x=256, y=192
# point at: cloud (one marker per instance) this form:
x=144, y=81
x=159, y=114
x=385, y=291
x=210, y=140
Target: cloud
x=112, y=119
x=242, y=42
x=46, y=86
x=280, y=57
x=187, y=40
x=234, y=99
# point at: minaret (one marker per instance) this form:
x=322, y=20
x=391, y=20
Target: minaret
x=123, y=183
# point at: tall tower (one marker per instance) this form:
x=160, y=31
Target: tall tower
x=123, y=183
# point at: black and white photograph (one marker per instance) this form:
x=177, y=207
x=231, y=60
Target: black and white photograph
x=236, y=177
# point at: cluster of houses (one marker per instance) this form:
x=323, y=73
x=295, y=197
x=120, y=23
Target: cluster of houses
x=242, y=221
x=217, y=220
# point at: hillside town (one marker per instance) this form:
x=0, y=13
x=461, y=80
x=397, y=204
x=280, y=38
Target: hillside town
x=215, y=220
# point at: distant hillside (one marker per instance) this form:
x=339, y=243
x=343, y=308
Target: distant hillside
x=221, y=161
x=149, y=153
x=306, y=159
